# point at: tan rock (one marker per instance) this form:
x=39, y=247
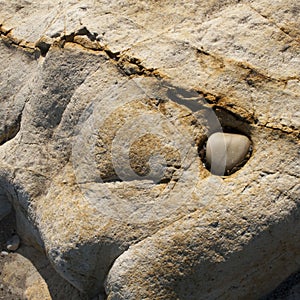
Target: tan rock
x=157, y=77
x=27, y=274
x=23, y=278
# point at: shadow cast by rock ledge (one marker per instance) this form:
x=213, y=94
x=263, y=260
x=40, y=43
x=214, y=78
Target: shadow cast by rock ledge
x=287, y=290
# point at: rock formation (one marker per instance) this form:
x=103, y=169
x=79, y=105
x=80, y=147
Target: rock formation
x=106, y=107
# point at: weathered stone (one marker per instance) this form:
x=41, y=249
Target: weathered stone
x=225, y=151
x=27, y=274
x=22, y=278
x=148, y=220
x=16, y=70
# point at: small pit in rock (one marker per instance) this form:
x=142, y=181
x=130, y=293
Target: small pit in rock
x=227, y=151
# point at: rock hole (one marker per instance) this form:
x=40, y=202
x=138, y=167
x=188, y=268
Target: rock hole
x=43, y=46
x=227, y=150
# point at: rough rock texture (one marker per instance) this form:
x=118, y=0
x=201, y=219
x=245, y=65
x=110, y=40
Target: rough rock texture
x=28, y=275
x=81, y=79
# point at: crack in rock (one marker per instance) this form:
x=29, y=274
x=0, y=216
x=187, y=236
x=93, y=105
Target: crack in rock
x=273, y=22
x=129, y=66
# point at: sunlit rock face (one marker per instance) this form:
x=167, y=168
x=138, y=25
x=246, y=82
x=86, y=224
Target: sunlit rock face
x=108, y=113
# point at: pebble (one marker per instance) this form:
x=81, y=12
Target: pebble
x=224, y=151
x=13, y=243
x=4, y=253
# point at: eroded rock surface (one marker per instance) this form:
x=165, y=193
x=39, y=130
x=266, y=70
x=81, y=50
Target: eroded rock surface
x=27, y=274
x=106, y=108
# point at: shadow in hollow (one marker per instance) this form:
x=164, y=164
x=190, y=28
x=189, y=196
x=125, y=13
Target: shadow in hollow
x=287, y=290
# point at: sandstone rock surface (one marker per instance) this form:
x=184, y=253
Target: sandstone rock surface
x=105, y=107
x=23, y=278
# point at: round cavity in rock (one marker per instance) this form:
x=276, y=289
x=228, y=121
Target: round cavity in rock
x=226, y=151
